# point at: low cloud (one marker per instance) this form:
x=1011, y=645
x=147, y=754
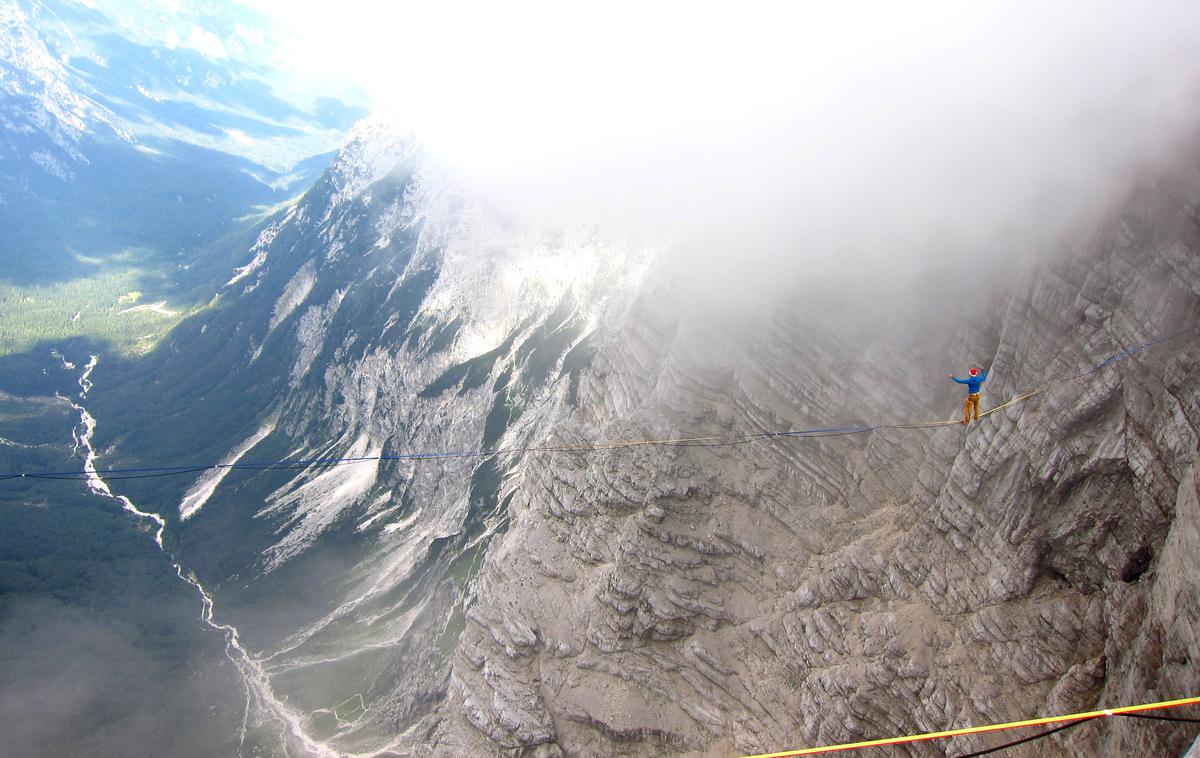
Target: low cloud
x=90, y=680
x=773, y=144
x=206, y=43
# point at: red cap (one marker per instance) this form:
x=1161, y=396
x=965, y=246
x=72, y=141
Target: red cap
x=974, y=371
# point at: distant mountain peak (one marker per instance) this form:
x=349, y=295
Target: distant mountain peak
x=374, y=148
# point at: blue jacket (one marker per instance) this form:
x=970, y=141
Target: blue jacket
x=972, y=382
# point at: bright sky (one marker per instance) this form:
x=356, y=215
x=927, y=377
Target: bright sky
x=504, y=85
x=500, y=82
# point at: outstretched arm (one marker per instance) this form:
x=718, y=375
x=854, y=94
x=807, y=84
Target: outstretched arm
x=955, y=378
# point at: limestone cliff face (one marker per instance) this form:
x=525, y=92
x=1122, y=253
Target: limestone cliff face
x=690, y=599
x=792, y=592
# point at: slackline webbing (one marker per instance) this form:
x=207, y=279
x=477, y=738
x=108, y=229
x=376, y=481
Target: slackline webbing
x=1128, y=710
x=709, y=441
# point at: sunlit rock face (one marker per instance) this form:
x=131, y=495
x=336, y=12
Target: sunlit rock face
x=689, y=599
x=386, y=314
x=794, y=592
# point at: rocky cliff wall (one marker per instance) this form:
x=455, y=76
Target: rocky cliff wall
x=793, y=592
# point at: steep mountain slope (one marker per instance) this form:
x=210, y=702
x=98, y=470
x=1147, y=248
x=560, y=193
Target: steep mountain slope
x=380, y=316
x=655, y=599
x=814, y=591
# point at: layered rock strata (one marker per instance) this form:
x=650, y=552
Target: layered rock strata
x=793, y=592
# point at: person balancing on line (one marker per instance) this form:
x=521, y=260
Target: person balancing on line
x=977, y=377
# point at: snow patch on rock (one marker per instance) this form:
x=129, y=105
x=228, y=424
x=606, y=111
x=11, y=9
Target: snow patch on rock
x=204, y=487
x=294, y=294
x=314, y=325
x=261, y=246
x=311, y=505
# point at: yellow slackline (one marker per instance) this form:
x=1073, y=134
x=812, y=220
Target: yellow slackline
x=981, y=729
x=619, y=444
x=1027, y=395
x=634, y=443
x=709, y=441
x=924, y=424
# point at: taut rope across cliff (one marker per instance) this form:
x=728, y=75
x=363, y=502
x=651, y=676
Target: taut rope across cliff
x=150, y=472
x=1067, y=721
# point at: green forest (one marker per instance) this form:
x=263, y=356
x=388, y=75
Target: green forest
x=125, y=302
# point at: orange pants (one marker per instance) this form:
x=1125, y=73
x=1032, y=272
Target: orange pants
x=972, y=402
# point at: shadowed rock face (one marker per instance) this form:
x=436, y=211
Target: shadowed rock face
x=790, y=592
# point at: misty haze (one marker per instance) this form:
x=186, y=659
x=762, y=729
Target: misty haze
x=645, y=380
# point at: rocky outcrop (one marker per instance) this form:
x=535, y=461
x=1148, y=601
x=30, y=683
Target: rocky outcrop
x=791, y=592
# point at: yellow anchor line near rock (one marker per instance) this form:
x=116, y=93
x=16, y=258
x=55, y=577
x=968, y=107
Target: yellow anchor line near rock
x=1069, y=719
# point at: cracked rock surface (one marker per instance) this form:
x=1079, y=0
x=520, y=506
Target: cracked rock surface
x=790, y=592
